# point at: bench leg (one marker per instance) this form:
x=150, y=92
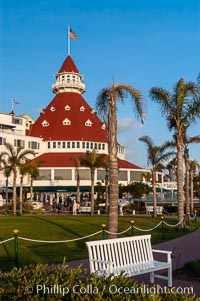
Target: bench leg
x=170, y=276
x=152, y=277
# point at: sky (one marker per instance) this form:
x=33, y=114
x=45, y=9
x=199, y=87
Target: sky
x=137, y=42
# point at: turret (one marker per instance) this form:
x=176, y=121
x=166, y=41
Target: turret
x=68, y=79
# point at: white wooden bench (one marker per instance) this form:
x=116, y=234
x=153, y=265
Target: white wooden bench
x=131, y=255
x=149, y=209
x=84, y=209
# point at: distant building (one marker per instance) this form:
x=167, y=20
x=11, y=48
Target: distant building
x=65, y=129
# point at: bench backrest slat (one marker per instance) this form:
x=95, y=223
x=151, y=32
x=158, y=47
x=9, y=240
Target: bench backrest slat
x=120, y=251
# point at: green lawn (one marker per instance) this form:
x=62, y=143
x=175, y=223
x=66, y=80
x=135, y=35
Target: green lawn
x=63, y=228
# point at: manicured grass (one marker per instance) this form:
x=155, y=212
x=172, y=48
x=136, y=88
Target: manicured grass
x=58, y=228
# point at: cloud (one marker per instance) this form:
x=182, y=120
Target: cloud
x=127, y=124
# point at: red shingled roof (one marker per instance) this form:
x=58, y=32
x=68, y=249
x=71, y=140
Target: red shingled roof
x=65, y=160
x=55, y=113
x=68, y=66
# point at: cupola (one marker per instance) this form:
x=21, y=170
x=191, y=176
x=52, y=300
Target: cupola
x=68, y=79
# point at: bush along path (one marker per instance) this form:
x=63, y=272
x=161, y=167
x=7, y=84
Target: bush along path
x=44, y=282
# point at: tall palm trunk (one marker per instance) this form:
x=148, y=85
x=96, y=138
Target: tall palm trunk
x=14, y=190
x=31, y=191
x=187, y=182
x=107, y=191
x=154, y=192
x=180, y=180
x=21, y=195
x=92, y=192
x=6, y=192
x=78, y=188
x=191, y=192
x=113, y=171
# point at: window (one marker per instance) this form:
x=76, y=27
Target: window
x=54, y=144
x=62, y=174
x=52, y=109
x=91, y=145
x=68, y=78
x=82, y=109
x=78, y=144
x=88, y=123
x=66, y=121
x=103, y=126
x=44, y=174
x=17, y=120
x=99, y=146
x=135, y=175
x=101, y=174
x=63, y=144
x=67, y=108
x=49, y=144
x=84, y=174
x=33, y=145
x=45, y=123
x=123, y=176
x=68, y=144
x=87, y=145
x=83, y=144
x=2, y=140
x=73, y=144
x=95, y=146
x=59, y=144
x=19, y=143
x=103, y=146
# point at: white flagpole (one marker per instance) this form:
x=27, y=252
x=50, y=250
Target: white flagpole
x=12, y=104
x=68, y=40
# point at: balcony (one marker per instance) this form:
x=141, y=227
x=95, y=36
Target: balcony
x=68, y=86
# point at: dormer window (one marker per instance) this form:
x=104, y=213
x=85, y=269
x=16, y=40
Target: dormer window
x=45, y=123
x=82, y=109
x=88, y=123
x=52, y=109
x=92, y=111
x=67, y=108
x=103, y=126
x=66, y=121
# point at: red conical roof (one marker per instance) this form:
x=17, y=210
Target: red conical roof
x=68, y=66
x=73, y=108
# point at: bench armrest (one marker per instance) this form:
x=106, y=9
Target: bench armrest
x=106, y=267
x=169, y=253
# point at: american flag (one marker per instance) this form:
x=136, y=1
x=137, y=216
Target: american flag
x=15, y=101
x=72, y=34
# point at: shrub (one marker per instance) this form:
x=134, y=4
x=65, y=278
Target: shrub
x=59, y=282
x=193, y=268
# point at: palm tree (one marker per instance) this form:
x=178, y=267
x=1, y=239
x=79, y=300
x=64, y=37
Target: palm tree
x=15, y=158
x=93, y=161
x=30, y=168
x=7, y=172
x=146, y=176
x=106, y=105
x=181, y=108
x=193, y=165
x=77, y=164
x=186, y=141
x=156, y=155
x=33, y=171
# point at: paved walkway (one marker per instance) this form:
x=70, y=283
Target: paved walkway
x=185, y=248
